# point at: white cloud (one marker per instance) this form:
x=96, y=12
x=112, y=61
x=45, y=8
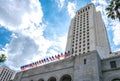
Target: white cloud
x=60, y=3
x=24, y=19
x=116, y=33
x=19, y=14
x=100, y=6
x=71, y=9
x=100, y=2
x=20, y=49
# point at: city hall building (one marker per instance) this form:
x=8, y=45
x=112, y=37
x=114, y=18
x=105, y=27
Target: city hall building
x=91, y=58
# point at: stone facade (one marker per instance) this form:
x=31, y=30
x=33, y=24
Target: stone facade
x=86, y=67
x=91, y=59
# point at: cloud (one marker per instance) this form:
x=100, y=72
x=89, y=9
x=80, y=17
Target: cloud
x=20, y=49
x=112, y=25
x=116, y=33
x=60, y=3
x=99, y=2
x=24, y=19
x=19, y=14
x=71, y=9
x=100, y=6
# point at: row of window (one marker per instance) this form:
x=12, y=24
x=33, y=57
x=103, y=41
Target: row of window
x=63, y=78
x=84, y=19
x=83, y=10
x=81, y=33
x=5, y=75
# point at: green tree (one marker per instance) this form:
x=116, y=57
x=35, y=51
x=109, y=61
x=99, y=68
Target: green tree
x=113, y=9
x=2, y=58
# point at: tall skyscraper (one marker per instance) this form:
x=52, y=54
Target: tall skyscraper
x=87, y=32
x=6, y=73
x=90, y=59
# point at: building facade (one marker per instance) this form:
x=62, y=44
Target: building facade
x=86, y=33
x=91, y=58
x=6, y=73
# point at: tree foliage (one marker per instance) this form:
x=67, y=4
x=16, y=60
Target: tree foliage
x=2, y=58
x=113, y=9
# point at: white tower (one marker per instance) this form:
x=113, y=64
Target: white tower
x=87, y=32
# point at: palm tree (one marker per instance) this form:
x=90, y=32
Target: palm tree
x=113, y=9
x=2, y=58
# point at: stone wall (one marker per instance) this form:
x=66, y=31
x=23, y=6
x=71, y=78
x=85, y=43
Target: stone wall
x=111, y=73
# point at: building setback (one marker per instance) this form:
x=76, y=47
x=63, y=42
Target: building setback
x=6, y=73
x=91, y=58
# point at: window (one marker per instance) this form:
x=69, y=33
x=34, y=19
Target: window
x=88, y=7
x=40, y=80
x=75, y=47
x=52, y=79
x=87, y=39
x=79, y=50
x=113, y=64
x=88, y=51
x=83, y=10
x=87, y=43
x=83, y=49
x=84, y=61
x=76, y=51
x=88, y=47
x=66, y=78
x=116, y=79
x=84, y=41
x=76, y=44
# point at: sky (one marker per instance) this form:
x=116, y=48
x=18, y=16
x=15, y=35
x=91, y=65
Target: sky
x=34, y=29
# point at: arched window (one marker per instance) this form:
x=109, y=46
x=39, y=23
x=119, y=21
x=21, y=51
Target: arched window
x=52, y=79
x=66, y=78
x=116, y=79
x=40, y=80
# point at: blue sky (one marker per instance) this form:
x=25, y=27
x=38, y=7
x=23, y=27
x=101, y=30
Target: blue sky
x=33, y=29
